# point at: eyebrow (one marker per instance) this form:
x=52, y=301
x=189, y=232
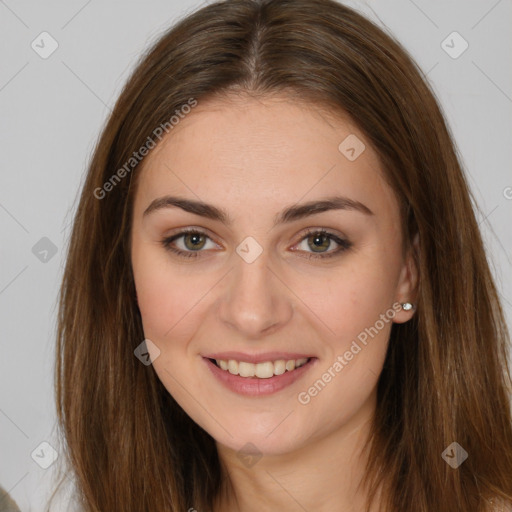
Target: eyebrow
x=289, y=214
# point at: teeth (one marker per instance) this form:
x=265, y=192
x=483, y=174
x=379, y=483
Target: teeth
x=279, y=367
x=261, y=370
x=264, y=370
x=246, y=369
x=233, y=367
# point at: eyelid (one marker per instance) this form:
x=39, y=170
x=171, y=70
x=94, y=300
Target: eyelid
x=321, y=230
x=167, y=240
x=177, y=233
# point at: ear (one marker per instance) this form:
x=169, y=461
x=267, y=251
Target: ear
x=407, y=287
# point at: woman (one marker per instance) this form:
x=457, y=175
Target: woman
x=276, y=295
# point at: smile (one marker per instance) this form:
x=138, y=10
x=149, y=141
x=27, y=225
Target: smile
x=258, y=378
x=263, y=370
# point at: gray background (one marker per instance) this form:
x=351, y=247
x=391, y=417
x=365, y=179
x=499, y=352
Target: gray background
x=52, y=110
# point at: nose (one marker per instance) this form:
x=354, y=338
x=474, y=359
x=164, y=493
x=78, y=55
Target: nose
x=255, y=301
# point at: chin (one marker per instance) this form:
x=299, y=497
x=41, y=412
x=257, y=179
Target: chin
x=263, y=441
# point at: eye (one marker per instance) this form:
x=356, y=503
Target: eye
x=318, y=240
x=194, y=240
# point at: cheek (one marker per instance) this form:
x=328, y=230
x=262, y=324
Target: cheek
x=169, y=302
x=168, y=297
x=358, y=310
x=355, y=307
x=351, y=298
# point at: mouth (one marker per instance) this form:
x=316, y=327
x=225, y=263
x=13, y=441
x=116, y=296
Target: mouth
x=263, y=370
x=258, y=378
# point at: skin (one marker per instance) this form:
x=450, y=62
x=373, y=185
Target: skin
x=253, y=158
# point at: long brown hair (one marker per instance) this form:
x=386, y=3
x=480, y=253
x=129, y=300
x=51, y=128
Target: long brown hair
x=446, y=378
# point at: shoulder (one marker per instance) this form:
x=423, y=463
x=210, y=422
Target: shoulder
x=7, y=504
x=498, y=505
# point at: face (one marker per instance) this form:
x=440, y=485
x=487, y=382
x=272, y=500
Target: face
x=259, y=280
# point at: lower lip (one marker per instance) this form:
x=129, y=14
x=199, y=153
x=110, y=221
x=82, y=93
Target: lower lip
x=254, y=386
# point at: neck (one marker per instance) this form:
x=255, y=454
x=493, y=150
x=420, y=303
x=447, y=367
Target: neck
x=323, y=475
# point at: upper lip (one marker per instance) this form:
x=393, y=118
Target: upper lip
x=256, y=358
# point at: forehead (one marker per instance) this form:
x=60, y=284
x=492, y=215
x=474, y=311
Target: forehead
x=258, y=154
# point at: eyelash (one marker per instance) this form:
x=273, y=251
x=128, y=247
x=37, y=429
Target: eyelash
x=344, y=244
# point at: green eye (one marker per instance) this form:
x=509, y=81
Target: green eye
x=318, y=241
